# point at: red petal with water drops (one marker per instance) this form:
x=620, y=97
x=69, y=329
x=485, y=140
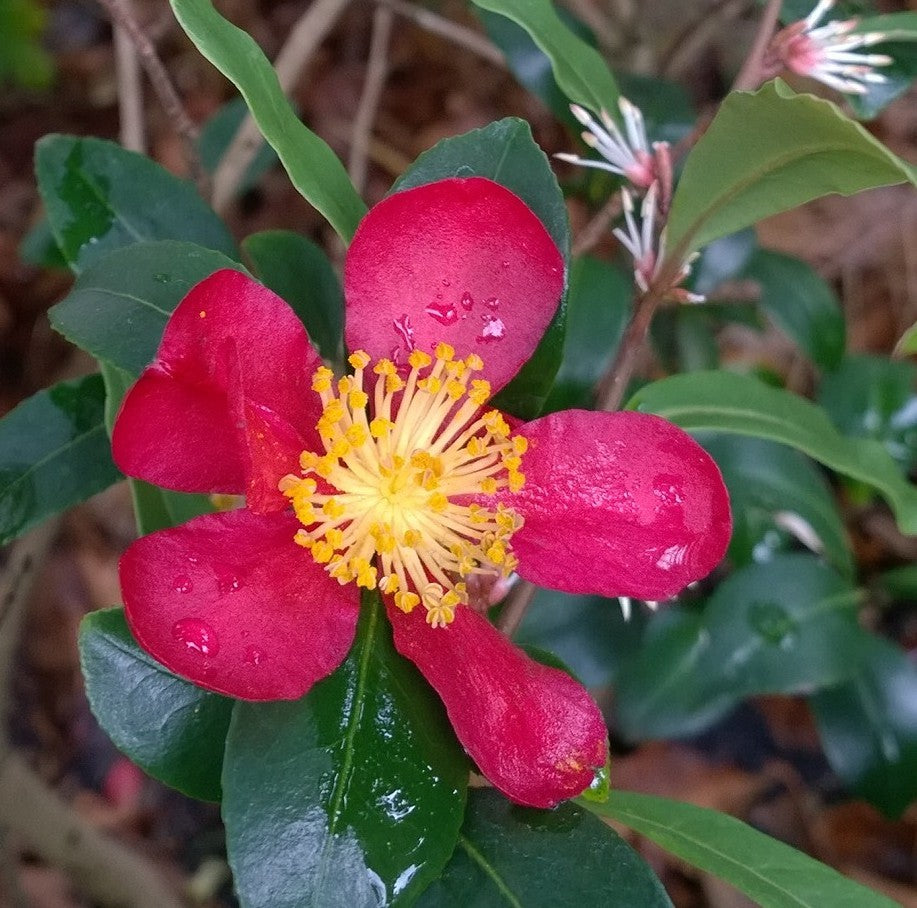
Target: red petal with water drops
x=463, y=261
x=533, y=731
x=227, y=405
x=619, y=504
x=230, y=602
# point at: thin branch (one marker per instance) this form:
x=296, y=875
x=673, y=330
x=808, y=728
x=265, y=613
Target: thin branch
x=517, y=603
x=130, y=92
x=451, y=31
x=751, y=74
x=304, y=40
x=122, y=15
x=376, y=73
x=595, y=230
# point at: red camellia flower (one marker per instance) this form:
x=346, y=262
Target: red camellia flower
x=398, y=477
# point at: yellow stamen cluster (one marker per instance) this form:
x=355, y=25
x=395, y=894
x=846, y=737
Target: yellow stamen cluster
x=380, y=507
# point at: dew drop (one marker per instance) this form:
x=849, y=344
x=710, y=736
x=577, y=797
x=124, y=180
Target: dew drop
x=492, y=303
x=182, y=584
x=162, y=278
x=444, y=313
x=772, y=623
x=505, y=264
x=405, y=331
x=197, y=635
x=494, y=330
x=227, y=579
x=253, y=655
x=467, y=301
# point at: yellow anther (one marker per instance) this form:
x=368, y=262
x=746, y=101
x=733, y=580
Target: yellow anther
x=456, y=367
x=308, y=460
x=411, y=538
x=476, y=513
x=475, y=447
x=390, y=584
x=406, y=601
x=520, y=444
x=334, y=412
x=516, y=480
x=357, y=435
x=321, y=379
x=496, y=424
x=341, y=448
x=340, y=570
x=394, y=383
x=333, y=508
x=322, y=551
x=380, y=427
x=431, y=384
x=335, y=537
x=512, y=462
x=438, y=502
x=359, y=359
x=288, y=484
x=488, y=485
x=419, y=360
x=304, y=512
x=455, y=389
x=497, y=552
x=445, y=352
x=480, y=391
x=357, y=399
x=344, y=385
x=365, y=573
x=304, y=539
x=474, y=362
x=325, y=465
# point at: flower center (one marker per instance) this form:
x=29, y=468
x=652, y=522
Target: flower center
x=393, y=501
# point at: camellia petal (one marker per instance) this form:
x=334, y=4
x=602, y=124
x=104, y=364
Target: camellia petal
x=234, y=361
x=618, y=504
x=533, y=731
x=230, y=602
x=463, y=261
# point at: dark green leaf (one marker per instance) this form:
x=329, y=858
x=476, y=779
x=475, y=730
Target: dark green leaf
x=801, y=303
x=900, y=73
x=100, y=197
x=729, y=402
x=54, y=453
x=313, y=167
x=868, y=728
x=767, y=871
x=685, y=339
x=506, y=153
x=516, y=856
x=351, y=796
x=774, y=489
x=722, y=260
x=297, y=270
x=23, y=59
x=873, y=397
x=119, y=306
x=167, y=726
x=769, y=151
x=900, y=583
x=217, y=134
x=598, y=308
x=39, y=248
x=579, y=69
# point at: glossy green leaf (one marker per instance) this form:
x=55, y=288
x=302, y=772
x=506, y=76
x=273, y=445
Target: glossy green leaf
x=907, y=345
x=684, y=337
x=899, y=75
x=598, y=309
x=313, y=167
x=118, y=308
x=873, y=397
x=54, y=453
x=769, y=872
x=792, y=10
x=299, y=271
x=579, y=69
x=351, y=796
x=801, y=303
x=217, y=134
x=766, y=152
x=100, y=197
x=516, y=856
x=868, y=728
x=167, y=726
x=506, y=153
x=775, y=491
x=900, y=582
x=729, y=402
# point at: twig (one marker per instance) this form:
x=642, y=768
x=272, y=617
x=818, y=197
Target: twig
x=122, y=15
x=517, y=603
x=451, y=31
x=305, y=38
x=751, y=74
x=593, y=232
x=376, y=72
x=130, y=92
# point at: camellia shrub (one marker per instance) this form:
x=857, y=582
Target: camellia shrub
x=349, y=496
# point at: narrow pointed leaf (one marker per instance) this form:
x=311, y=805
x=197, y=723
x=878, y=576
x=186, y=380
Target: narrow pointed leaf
x=313, y=167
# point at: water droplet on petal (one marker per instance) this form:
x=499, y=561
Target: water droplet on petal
x=182, y=584
x=197, y=635
x=772, y=623
x=494, y=330
x=467, y=301
x=227, y=579
x=405, y=331
x=253, y=655
x=492, y=302
x=444, y=313
x=162, y=278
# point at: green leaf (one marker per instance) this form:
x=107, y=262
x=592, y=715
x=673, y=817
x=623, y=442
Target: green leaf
x=100, y=197
x=351, y=796
x=313, y=167
x=598, y=309
x=772, y=489
x=506, y=153
x=298, y=271
x=900, y=582
x=873, y=397
x=54, y=453
x=899, y=75
x=801, y=303
x=769, y=872
x=517, y=856
x=118, y=308
x=217, y=134
x=907, y=345
x=23, y=60
x=39, y=248
x=729, y=402
x=167, y=726
x=579, y=69
x=766, y=152
x=868, y=728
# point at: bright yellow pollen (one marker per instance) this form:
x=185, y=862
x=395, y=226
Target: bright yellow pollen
x=402, y=453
